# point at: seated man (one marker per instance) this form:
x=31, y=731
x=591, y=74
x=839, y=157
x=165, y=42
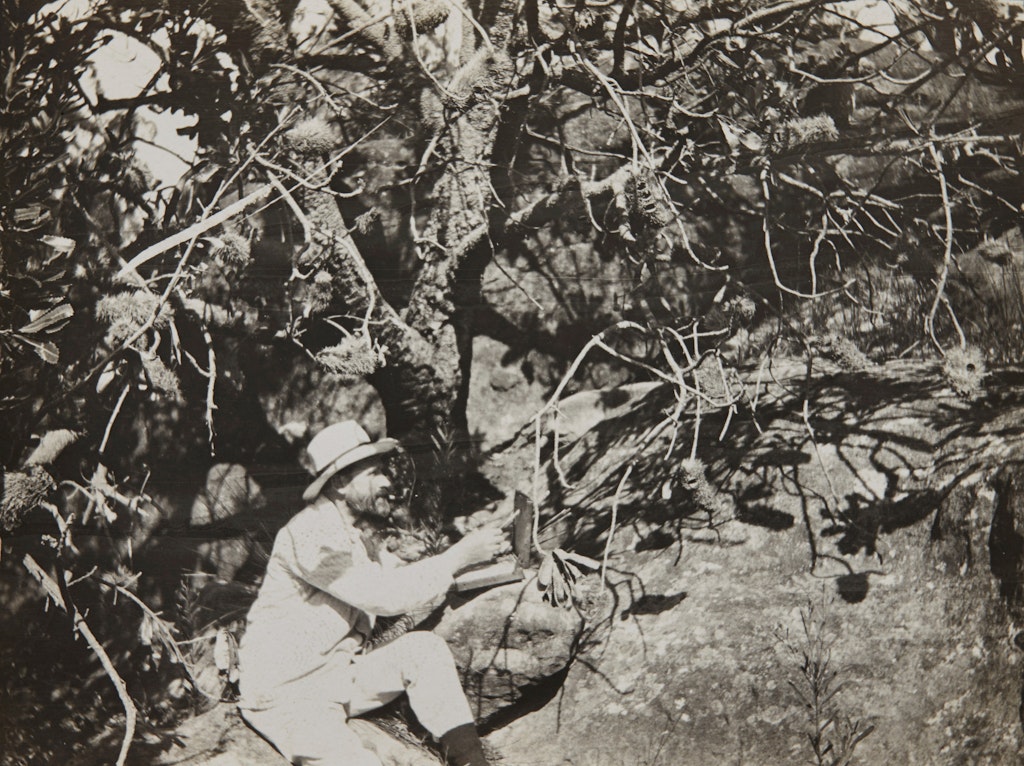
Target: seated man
x=304, y=663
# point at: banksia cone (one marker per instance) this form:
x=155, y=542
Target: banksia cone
x=646, y=201
x=160, y=376
x=385, y=633
x=354, y=358
x=589, y=24
x=22, y=492
x=804, y=130
x=232, y=249
x=740, y=310
x=368, y=221
x=312, y=136
x=420, y=17
x=692, y=478
x=485, y=72
x=319, y=292
x=844, y=352
x=693, y=475
x=964, y=370
x=126, y=312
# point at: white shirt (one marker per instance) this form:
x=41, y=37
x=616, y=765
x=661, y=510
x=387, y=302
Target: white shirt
x=318, y=602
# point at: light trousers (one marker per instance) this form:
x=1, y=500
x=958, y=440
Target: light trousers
x=310, y=728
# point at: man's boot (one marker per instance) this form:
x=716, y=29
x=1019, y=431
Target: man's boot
x=462, y=747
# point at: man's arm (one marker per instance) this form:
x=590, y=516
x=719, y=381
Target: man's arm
x=386, y=591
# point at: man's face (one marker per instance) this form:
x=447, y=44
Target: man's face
x=369, y=496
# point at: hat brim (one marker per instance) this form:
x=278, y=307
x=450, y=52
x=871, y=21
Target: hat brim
x=353, y=456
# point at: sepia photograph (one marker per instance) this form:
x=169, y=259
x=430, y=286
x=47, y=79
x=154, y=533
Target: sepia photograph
x=511, y=382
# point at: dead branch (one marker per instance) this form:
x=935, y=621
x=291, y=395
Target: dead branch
x=947, y=255
x=193, y=232
x=372, y=30
x=113, y=416
x=55, y=593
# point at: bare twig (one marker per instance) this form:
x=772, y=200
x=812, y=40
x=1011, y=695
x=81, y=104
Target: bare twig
x=63, y=525
x=300, y=216
x=208, y=221
x=361, y=24
x=813, y=258
x=165, y=636
x=769, y=250
x=729, y=395
x=613, y=93
x=194, y=231
x=947, y=255
x=319, y=86
x=645, y=442
x=56, y=594
x=551, y=406
x=300, y=183
x=538, y=429
x=821, y=462
x=614, y=521
x=955, y=321
x=113, y=417
x=211, y=382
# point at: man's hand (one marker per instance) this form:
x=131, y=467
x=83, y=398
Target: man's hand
x=482, y=544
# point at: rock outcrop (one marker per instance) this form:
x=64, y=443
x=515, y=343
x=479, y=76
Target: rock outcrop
x=871, y=549
x=230, y=494
x=840, y=575
x=507, y=641
x=219, y=737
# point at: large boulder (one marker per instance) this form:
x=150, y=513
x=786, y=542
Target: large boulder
x=846, y=577
x=219, y=737
x=219, y=515
x=506, y=641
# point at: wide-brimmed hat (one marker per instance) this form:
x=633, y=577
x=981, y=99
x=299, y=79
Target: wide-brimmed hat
x=338, y=446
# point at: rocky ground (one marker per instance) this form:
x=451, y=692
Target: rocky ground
x=871, y=551
x=844, y=583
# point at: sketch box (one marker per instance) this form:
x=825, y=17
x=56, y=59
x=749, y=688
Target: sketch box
x=501, y=572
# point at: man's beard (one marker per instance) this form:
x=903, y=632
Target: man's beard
x=374, y=511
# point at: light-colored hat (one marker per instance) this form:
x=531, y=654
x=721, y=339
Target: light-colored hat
x=339, y=446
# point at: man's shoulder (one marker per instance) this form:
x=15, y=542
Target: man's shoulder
x=319, y=521
x=313, y=516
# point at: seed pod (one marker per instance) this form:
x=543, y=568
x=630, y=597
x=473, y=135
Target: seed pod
x=311, y=137
x=223, y=650
x=421, y=17
x=22, y=492
x=546, y=570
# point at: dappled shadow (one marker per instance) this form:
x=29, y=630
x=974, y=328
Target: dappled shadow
x=863, y=520
x=530, y=699
x=654, y=603
x=765, y=516
x=874, y=453
x=853, y=588
x=656, y=540
x=1006, y=538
